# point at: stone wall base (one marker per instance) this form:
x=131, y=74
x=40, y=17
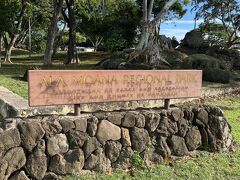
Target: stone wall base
x=45, y=147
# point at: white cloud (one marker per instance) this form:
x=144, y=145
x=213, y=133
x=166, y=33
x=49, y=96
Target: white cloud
x=188, y=21
x=178, y=33
x=174, y=30
x=184, y=21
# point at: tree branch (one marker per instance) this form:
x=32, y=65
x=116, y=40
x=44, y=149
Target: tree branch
x=224, y=23
x=145, y=11
x=166, y=7
x=150, y=8
x=20, y=18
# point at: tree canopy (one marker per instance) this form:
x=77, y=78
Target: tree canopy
x=111, y=24
x=225, y=12
x=108, y=24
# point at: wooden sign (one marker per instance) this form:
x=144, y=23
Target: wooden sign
x=55, y=87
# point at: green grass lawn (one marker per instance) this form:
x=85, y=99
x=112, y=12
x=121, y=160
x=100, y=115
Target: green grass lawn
x=10, y=74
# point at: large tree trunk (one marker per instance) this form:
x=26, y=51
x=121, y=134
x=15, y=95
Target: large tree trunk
x=52, y=31
x=150, y=46
x=149, y=43
x=147, y=31
x=145, y=27
x=72, y=56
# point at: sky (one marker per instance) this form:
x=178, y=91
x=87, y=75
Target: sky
x=179, y=27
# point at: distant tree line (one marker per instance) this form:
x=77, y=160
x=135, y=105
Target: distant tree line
x=107, y=24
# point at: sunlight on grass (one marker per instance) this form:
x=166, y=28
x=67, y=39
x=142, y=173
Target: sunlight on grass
x=223, y=166
x=16, y=86
x=11, y=74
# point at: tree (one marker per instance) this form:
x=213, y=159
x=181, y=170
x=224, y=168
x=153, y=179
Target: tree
x=91, y=18
x=36, y=21
x=155, y=11
x=13, y=22
x=175, y=11
x=69, y=16
x=14, y=18
x=63, y=39
x=105, y=22
x=38, y=36
x=214, y=34
x=122, y=25
x=52, y=30
x=149, y=43
x=4, y=25
x=225, y=12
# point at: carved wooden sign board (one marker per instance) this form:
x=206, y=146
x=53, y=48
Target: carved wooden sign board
x=56, y=87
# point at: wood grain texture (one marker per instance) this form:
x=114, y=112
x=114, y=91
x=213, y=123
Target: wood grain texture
x=55, y=87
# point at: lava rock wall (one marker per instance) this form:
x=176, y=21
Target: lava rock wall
x=48, y=147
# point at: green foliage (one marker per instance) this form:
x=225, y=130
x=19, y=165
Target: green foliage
x=200, y=61
x=122, y=24
x=11, y=10
x=41, y=12
x=214, y=34
x=15, y=16
x=91, y=19
x=227, y=12
x=38, y=40
x=216, y=75
x=8, y=14
x=115, y=42
x=137, y=160
x=111, y=23
x=79, y=38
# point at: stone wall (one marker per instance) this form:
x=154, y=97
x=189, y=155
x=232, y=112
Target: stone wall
x=47, y=147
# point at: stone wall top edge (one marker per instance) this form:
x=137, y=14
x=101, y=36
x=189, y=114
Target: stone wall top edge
x=71, y=116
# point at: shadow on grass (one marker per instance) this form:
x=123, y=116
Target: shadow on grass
x=21, y=63
x=19, y=78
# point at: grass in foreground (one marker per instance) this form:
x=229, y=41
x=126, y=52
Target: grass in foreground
x=224, y=166
x=213, y=166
